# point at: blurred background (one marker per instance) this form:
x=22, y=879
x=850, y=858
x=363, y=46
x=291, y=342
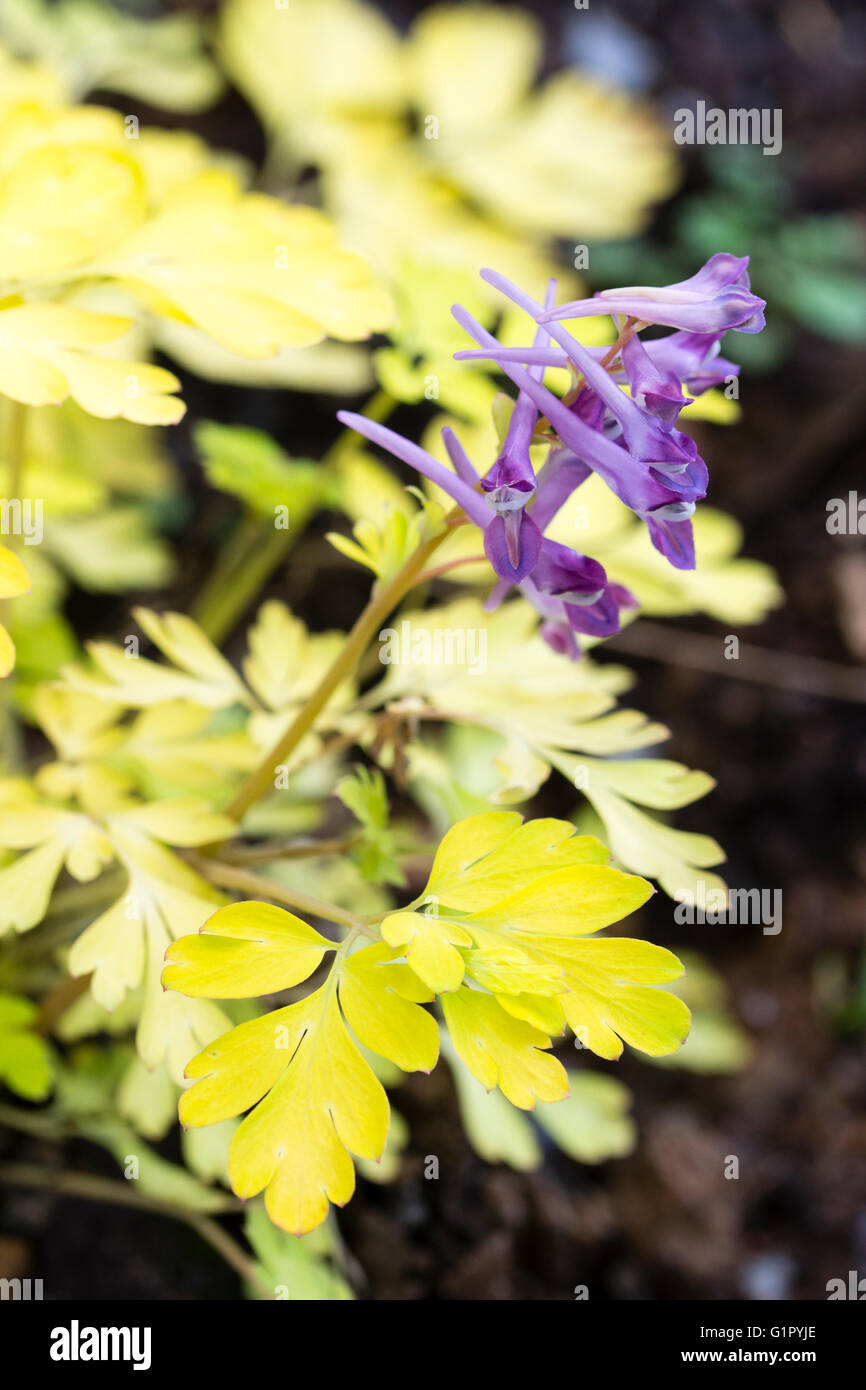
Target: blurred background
x=779, y=1078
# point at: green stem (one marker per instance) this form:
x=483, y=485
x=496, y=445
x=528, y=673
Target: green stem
x=234, y=553
x=230, y=591
x=39, y=1124
x=55, y=1003
x=17, y=431
x=16, y=435
x=257, y=549
x=380, y=605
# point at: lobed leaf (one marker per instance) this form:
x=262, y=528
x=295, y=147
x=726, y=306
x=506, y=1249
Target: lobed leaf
x=244, y=950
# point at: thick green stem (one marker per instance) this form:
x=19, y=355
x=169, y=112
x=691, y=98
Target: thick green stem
x=204, y=610
x=17, y=435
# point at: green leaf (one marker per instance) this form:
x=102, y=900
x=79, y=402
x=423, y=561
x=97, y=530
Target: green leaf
x=300, y=1268
x=502, y=1051
x=150, y=1173
x=365, y=795
x=147, y=1098
x=507, y=907
x=717, y=1045
x=112, y=550
x=591, y=1124
x=496, y=1129
x=26, y=1059
x=158, y=60
x=250, y=465
x=678, y=859
x=316, y=1099
x=242, y=951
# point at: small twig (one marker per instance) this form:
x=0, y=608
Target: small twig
x=54, y=1004
x=382, y=602
x=784, y=670
x=331, y=746
x=260, y=854
x=451, y=565
x=243, y=881
x=632, y=325
x=41, y=1124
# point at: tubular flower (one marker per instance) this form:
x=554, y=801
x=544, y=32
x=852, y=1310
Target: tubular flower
x=619, y=420
x=570, y=590
x=715, y=299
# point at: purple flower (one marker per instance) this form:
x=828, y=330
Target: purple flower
x=564, y=618
x=717, y=298
x=645, y=438
x=653, y=388
x=693, y=358
x=570, y=590
x=629, y=437
x=663, y=492
x=512, y=540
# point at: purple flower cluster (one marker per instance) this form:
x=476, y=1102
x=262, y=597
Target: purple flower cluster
x=629, y=437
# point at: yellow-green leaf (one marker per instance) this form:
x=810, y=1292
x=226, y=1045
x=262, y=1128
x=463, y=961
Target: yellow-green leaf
x=503, y=1051
x=321, y=1104
x=244, y=950
x=380, y=999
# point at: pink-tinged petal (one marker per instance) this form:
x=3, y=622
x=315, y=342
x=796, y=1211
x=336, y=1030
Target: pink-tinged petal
x=560, y=636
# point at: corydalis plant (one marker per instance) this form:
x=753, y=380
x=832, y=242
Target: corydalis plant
x=172, y=773
x=619, y=420
x=499, y=934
